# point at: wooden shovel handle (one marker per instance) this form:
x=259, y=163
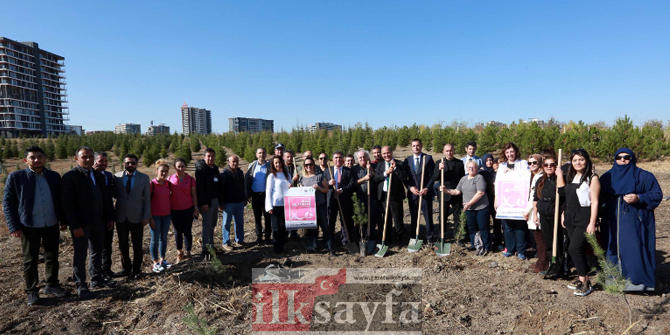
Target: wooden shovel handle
x=556, y=205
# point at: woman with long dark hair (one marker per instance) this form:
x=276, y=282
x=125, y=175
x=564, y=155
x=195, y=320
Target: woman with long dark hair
x=276, y=186
x=544, y=201
x=581, y=189
x=515, y=230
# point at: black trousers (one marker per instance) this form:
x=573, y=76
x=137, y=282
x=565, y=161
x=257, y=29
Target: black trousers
x=345, y=218
x=258, y=205
x=107, y=250
x=136, y=232
x=427, y=211
x=454, y=207
x=395, y=211
x=31, y=238
x=182, y=220
x=497, y=225
x=375, y=218
x=92, y=241
x=547, y=226
x=279, y=233
x=575, y=223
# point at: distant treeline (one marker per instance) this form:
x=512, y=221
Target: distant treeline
x=650, y=142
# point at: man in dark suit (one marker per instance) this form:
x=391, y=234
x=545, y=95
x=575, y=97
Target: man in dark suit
x=32, y=212
x=100, y=163
x=414, y=165
x=364, y=173
x=343, y=184
x=397, y=186
x=454, y=171
x=87, y=208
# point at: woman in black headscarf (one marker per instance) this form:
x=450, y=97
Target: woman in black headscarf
x=631, y=195
x=489, y=174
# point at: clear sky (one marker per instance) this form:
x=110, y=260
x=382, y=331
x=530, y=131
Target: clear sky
x=384, y=62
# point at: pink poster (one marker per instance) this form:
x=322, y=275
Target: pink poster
x=512, y=194
x=300, y=208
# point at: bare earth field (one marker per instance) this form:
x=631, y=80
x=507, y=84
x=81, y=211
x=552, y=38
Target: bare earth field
x=462, y=293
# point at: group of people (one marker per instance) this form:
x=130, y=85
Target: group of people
x=90, y=201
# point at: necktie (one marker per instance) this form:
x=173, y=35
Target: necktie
x=337, y=178
x=388, y=165
x=416, y=164
x=92, y=176
x=128, y=184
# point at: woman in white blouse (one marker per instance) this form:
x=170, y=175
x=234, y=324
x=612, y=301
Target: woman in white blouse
x=515, y=230
x=276, y=186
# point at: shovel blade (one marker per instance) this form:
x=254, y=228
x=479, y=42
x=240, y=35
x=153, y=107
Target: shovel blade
x=352, y=247
x=414, y=245
x=443, y=249
x=370, y=247
x=382, y=250
x=553, y=272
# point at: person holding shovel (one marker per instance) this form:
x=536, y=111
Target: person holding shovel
x=343, y=184
x=364, y=173
x=395, y=188
x=454, y=170
x=544, y=201
x=413, y=164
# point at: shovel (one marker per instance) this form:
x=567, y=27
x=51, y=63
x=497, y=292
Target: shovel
x=384, y=248
x=351, y=246
x=442, y=249
x=416, y=243
x=554, y=270
x=368, y=245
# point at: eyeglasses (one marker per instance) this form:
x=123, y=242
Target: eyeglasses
x=322, y=158
x=533, y=162
x=549, y=164
x=623, y=157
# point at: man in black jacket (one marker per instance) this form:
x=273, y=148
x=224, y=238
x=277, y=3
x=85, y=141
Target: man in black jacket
x=414, y=165
x=364, y=174
x=343, y=188
x=454, y=171
x=100, y=165
x=32, y=211
x=234, y=201
x=210, y=196
x=87, y=208
x=397, y=185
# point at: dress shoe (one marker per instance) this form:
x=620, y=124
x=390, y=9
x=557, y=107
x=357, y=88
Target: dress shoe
x=33, y=298
x=84, y=293
x=57, y=291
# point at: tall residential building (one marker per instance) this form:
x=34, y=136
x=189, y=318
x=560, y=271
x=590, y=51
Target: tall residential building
x=324, y=126
x=250, y=125
x=158, y=129
x=128, y=128
x=196, y=120
x=33, y=98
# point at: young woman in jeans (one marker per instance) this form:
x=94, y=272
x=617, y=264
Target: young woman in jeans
x=475, y=204
x=276, y=186
x=183, y=208
x=581, y=213
x=160, y=212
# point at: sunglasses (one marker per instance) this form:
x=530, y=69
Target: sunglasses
x=130, y=163
x=623, y=157
x=533, y=162
x=549, y=164
x=312, y=164
x=322, y=158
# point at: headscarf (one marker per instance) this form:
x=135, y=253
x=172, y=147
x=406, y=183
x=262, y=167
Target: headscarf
x=484, y=167
x=622, y=178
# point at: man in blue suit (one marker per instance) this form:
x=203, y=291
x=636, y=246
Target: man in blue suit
x=414, y=167
x=343, y=184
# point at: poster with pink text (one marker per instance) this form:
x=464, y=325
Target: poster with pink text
x=300, y=208
x=512, y=194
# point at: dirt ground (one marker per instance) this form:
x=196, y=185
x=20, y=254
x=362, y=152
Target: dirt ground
x=462, y=293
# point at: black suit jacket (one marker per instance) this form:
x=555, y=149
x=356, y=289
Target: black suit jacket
x=347, y=184
x=361, y=189
x=453, y=173
x=415, y=177
x=78, y=198
x=397, y=183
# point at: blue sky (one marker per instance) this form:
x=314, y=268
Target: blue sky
x=384, y=62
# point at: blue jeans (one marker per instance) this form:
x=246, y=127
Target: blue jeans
x=515, y=235
x=478, y=221
x=233, y=210
x=159, y=236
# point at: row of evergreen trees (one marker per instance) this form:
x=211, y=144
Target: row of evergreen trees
x=650, y=141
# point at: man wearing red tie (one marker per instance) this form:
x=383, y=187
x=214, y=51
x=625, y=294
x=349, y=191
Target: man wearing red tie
x=343, y=182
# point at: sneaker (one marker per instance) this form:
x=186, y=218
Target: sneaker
x=501, y=248
x=84, y=293
x=166, y=265
x=157, y=268
x=573, y=284
x=583, y=289
x=33, y=298
x=507, y=254
x=227, y=247
x=521, y=257
x=57, y=291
